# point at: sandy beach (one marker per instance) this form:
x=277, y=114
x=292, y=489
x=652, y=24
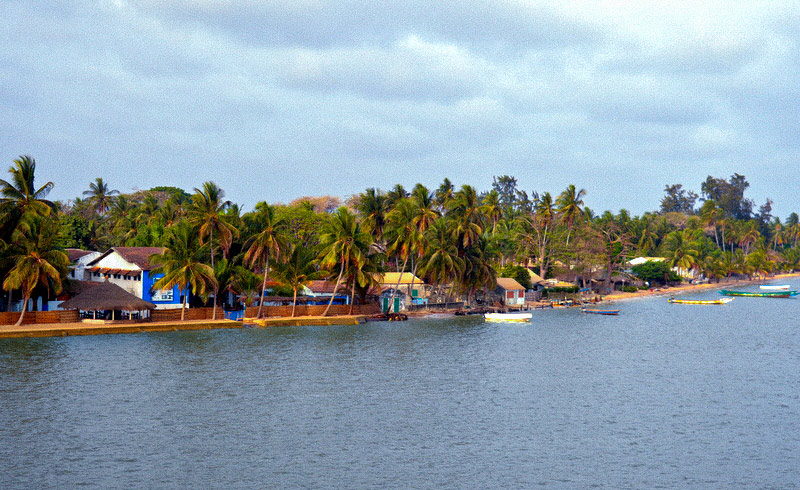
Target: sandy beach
x=669, y=291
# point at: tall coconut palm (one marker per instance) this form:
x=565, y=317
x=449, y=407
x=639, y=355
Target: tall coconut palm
x=270, y=240
x=181, y=262
x=296, y=271
x=544, y=215
x=37, y=262
x=492, y=208
x=372, y=208
x=206, y=213
x=403, y=236
x=343, y=242
x=20, y=197
x=100, y=196
x=425, y=212
x=467, y=215
x=441, y=263
x=443, y=194
x=569, y=205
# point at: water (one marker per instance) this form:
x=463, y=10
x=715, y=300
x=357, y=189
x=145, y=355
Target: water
x=662, y=396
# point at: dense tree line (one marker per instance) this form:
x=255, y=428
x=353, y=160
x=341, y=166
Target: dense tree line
x=456, y=239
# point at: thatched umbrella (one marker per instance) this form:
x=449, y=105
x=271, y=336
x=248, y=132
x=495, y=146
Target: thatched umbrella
x=106, y=296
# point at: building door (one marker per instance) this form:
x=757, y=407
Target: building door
x=385, y=305
x=397, y=305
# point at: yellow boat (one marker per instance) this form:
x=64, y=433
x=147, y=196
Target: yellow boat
x=720, y=301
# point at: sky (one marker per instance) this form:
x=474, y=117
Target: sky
x=274, y=100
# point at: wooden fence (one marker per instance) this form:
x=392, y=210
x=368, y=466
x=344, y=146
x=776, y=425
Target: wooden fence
x=71, y=316
x=312, y=310
x=35, y=317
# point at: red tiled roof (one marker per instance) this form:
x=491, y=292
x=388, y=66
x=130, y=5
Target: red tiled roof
x=74, y=254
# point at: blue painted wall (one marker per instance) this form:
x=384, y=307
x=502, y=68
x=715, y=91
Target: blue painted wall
x=147, y=284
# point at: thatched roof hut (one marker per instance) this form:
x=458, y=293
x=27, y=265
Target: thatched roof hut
x=106, y=296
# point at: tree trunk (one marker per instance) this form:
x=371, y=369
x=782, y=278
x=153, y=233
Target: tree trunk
x=24, y=307
x=183, y=306
x=352, y=297
x=10, y=300
x=214, y=309
x=263, y=287
x=294, y=301
x=333, y=295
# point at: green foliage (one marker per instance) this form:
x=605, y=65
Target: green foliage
x=519, y=273
x=655, y=272
x=562, y=289
x=73, y=232
x=629, y=289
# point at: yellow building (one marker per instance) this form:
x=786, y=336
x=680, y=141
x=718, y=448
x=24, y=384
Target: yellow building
x=412, y=290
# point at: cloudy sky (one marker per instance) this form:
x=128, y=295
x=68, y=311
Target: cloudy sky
x=278, y=99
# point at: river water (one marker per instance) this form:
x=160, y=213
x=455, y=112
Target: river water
x=661, y=396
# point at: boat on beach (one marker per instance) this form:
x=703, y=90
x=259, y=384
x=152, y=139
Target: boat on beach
x=783, y=287
x=508, y=317
x=600, y=312
x=720, y=301
x=750, y=294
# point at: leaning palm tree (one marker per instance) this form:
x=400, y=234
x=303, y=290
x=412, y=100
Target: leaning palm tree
x=37, y=262
x=297, y=271
x=100, y=196
x=270, y=241
x=343, y=242
x=181, y=262
x=569, y=205
x=20, y=197
x=206, y=213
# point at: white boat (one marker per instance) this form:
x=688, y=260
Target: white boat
x=508, y=317
x=776, y=288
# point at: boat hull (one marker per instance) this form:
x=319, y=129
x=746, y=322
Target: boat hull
x=776, y=294
x=601, y=312
x=721, y=301
x=508, y=317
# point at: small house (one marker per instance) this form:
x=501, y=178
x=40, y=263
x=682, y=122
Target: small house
x=511, y=291
x=410, y=290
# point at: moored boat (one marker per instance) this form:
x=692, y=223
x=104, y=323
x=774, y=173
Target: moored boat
x=600, y=312
x=782, y=287
x=720, y=301
x=772, y=294
x=508, y=317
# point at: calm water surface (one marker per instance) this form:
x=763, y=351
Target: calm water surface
x=661, y=396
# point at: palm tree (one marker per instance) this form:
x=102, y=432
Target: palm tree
x=443, y=194
x=492, y=208
x=343, y=242
x=181, y=262
x=683, y=251
x=37, y=262
x=425, y=212
x=403, y=236
x=20, y=197
x=441, y=263
x=205, y=213
x=468, y=217
x=271, y=240
x=569, y=206
x=297, y=271
x=372, y=208
x=100, y=196
x=247, y=284
x=542, y=224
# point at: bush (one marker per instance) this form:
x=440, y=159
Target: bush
x=563, y=289
x=629, y=289
x=655, y=272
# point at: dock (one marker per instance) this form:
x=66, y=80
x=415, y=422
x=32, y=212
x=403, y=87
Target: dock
x=69, y=329
x=306, y=321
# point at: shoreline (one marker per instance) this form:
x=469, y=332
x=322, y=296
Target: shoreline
x=669, y=291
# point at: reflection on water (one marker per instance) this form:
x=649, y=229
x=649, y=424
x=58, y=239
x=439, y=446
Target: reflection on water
x=663, y=395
